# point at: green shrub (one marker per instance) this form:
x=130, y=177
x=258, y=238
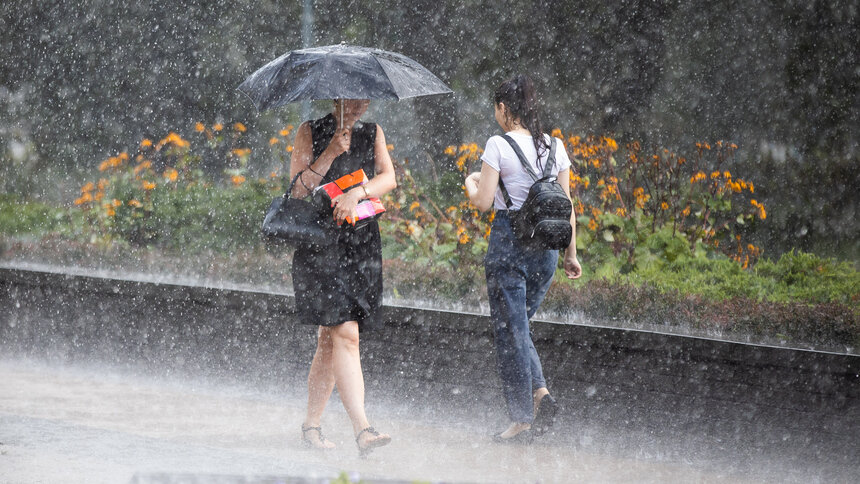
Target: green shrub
x=19, y=217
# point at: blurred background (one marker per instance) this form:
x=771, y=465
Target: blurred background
x=84, y=80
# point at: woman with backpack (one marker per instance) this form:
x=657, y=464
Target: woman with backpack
x=519, y=270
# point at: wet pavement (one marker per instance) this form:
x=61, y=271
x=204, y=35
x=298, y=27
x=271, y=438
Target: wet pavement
x=95, y=424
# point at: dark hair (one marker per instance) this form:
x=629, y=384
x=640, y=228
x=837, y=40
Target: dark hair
x=518, y=94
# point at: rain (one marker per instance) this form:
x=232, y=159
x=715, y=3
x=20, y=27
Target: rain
x=150, y=333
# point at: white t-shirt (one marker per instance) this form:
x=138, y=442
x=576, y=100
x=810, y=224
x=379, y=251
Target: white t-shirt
x=500, y=156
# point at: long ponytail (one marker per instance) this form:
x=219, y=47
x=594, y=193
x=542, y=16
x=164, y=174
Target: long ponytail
x=518, y=94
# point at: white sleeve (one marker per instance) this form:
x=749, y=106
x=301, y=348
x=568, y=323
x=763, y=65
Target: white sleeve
x=562, y=161
x=492, y=156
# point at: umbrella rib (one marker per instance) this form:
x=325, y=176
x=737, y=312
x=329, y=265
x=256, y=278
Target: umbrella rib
x=326, y=64
x=387, y=79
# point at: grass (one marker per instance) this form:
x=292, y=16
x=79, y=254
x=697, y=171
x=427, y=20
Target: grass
x=798, y=298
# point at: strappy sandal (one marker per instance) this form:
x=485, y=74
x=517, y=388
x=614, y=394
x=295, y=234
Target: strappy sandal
x=310, y=444
x=363, y=451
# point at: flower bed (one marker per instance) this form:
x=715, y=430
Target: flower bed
x=661, y=237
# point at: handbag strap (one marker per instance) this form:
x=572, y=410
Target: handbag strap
x=289, y=192
x=547, y=171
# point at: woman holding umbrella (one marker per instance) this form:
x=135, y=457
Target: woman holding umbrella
x=519, y=276
x=340, y=289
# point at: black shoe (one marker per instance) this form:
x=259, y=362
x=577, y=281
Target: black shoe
x=524, y=437
x=545, y=417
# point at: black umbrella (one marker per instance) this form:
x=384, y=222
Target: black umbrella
x=339, y=72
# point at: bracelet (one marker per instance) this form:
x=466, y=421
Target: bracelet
x=302, y=181
x=315, y=172
x=366, y=191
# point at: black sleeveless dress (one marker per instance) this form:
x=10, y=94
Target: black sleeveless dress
x=344, y=282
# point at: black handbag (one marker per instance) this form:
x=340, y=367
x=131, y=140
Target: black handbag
x=299, y=223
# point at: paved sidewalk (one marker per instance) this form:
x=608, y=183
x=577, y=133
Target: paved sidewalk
x=85, y=425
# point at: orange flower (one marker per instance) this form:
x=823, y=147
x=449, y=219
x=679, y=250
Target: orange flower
x=451, y=151
x=171, y=174
x=664, y=206
x=145, y=165
x=237, y=179
x=85, y=198
x=611, y=143
x=240, y=127
x=88, y=187
x=112, y=162
x=464, y=237
x=148, y=185
x=174, y=139
x=134, y=203
x=217, y=127
x=273, y=141
x=146, y=143
x=199, y=127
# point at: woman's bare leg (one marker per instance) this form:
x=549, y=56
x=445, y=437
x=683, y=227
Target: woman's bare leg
x=320, y=386
x=346, y=363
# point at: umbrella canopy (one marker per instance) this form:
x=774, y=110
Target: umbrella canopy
x=339, y=72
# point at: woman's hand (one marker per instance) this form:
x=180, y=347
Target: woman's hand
x=344, y=205
x=340, y=142
x=572, y=269
x=472, y=182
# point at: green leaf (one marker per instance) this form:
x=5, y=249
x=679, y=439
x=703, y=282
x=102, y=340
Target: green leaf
x=443, y=249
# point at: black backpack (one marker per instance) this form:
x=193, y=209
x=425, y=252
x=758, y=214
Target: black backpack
x=543, y=222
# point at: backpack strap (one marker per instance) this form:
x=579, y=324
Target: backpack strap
x=528, y=168
x=550, y=161
x=521, y=156
x=547, y=171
